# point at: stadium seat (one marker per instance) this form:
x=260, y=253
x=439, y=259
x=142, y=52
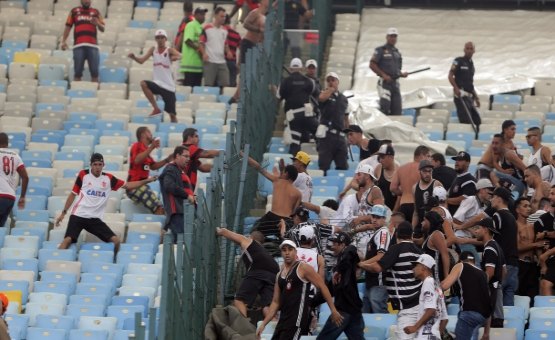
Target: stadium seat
x=60, y=287
x=17, y=325
x=22, y=264
x=107, y=324
x=55, y=322
x=124, y=312
x=125, y=258
x=80, y=334
x=48, y=297
x=104, y=278
x=77, y=311
x=34, y=309
x=535, y=334
x=16, y=285
x=113, y=75
x=108, y=268
x=541, y=324
x=87, y=257
x=139, y=291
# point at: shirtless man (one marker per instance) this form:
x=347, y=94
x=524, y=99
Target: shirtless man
x=404, y=179
x=527, y=265
x=537, y=188
x=255, y=23
x=285, y=199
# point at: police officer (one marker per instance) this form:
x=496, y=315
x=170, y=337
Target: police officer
x=334, y=117
x=311, y=67
x=296, y=90
x=461, y=77
x=387, y=62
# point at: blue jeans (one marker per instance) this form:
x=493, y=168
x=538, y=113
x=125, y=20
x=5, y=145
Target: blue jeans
x=375, y=300
x=518, y=184
x=510, y=286
x=472, y=248
x=91, y=55
x=468, y=324
x=352, y=325
x=6, y=206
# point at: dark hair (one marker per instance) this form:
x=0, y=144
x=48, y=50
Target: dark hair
x=302, y=213
x=436, y=221
x=227, y=19
x=535, y=169
x=188, y=6
x=331, y=203
x=421, y=150
x=520, y=200
x=4, y=139
x=219, y=9
x=499, y=135
x=439, y=158
x=544, y=202
x=506, y=124
x=188, y=132
x=140, y=131
x=257, y=236
x=179, y=150
x=291, y=172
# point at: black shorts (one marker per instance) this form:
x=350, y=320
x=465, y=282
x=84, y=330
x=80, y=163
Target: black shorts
x=269, y=225
x=245, y=46
x=167, y=96
x=95, y=226
x=407, y=209
x=256, y=283
x=550, y=273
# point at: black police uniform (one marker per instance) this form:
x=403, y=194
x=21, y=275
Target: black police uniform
x=389, y=60
x=296, y=90
x=463, y=69
x=333, y=147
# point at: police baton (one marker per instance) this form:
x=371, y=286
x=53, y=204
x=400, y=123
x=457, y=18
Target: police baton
x=419, y=70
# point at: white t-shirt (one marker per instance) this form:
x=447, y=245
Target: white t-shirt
x=93, y=193
x=469, y=208
x=326, y=215
x=162, y=74
x=348, y=209
x=304, y=184
x=310, y=256
x=214, y=40
x=431, y=296
x=548, y=174
x=11, y=162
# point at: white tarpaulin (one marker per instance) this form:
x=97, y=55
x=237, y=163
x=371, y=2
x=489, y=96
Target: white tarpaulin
x=512, y=48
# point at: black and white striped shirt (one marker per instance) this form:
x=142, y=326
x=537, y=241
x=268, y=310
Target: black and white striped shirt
x=403, y=288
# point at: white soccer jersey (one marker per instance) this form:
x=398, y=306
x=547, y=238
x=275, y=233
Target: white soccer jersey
x=304, y=184
x=162, y=74
x=11, y=162
x=93, y=193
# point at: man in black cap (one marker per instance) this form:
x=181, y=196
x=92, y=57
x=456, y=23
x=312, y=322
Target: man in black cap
x=93, y=187
x=355, y=136
x=443, y=173
x=344, y=289
x=493, y=261
x=403, y=288
x=464, y=184
x=505, y=223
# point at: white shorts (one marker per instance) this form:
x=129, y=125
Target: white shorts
x=406, y=317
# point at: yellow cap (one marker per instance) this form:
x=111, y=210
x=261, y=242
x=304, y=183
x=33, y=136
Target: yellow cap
x=302, y=157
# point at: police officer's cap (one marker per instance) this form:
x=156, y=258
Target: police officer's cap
x=392, y=31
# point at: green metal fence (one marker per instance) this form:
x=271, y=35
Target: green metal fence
x=198, y=271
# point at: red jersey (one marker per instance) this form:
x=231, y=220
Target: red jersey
x=84, y=32
x=141, y=171
x=194, y=163
x=252, y=5
x=180, y=31
x=233, y=40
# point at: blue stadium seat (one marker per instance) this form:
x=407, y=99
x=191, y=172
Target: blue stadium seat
x=71, y=156
x=536, y=334
x=142, y=301
x=50, y=72
x=507, y=98
x=98, y=246
x=325, y=191
x=36, y=155
x=103, y=124
x=136, y=247
x=171, y=127
x=22, y=264
x=124, y=312
x=32, y=215
x=75, y=140
x=82, y=117
x=467, y=137
x=23, y=286
x=206, y=128
x=113, y=74
x=72, y=124
x=544, y=301
x=59, y=83
x=35, y=202
x=104, y=278
x=140, y=237
x=206, y=90
x=150, y=4
x=115, y=268
x=146, y=24
x=60, y=287
x=146, y=119
x=19, y=145
x=45, y=138
x=85, y=300
x=55, y=322
x=86, y=257
x=379, y=320
x=76, y=311
x=123, y=334
x=434, y=135
x=125, y=257
x=485, y=136
x=17, y=325
x=16, y=136
x=517, y=324
x=148, y=218
x=104, y=291
x=80, y=334
x=336, y=181
x=57, y=277
x=541, y=324
x=15, y=45
x=55, y=254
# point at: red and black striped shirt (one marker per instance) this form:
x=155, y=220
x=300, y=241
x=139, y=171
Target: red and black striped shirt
x=84, y=32
x=233, y=40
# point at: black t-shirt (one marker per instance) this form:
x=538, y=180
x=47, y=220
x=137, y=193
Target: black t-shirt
x=545, y=223
x=493, y=256
x=445, y=175
x=333, y=111
x=296, y=90
x=505, y=223
x=464, y=73
x=464, y=184
x=346, y=291
x=293, y=10
x=475, y=291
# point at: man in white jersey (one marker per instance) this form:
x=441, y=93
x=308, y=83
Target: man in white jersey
x=431, y=309
x=303, y=181
x=541, y=154
x=12, y=166
x=307, y=252
x=93, y=187
x=162, y=83
x=548, y=171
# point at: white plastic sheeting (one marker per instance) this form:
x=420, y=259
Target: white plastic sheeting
x=512, y=48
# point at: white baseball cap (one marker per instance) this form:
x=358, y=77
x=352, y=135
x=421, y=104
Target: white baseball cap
x=332, y=74
x=288, y=243
x=425, y=260
x=364, y=168
x=307, y=231
x=161, y=33
x=296, y=63
x=440, y=193
x=392, y=31
x=484, y=183
x=311, y=62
